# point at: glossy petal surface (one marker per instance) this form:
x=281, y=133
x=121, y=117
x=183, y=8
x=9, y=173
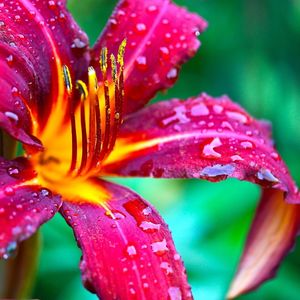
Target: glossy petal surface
x=201, y=137
x=160, y=37
x=128, y=252
x=271, y=237
x=24, y=205
x=36, y=39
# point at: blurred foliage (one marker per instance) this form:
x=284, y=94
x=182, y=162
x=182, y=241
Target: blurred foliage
x=250, y=52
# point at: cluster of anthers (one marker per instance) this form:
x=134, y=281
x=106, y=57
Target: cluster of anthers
x=94, y=132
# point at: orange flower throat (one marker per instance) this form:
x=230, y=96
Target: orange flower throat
x=82, y=127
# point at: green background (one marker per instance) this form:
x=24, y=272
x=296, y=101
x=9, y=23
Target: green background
x=250, y=52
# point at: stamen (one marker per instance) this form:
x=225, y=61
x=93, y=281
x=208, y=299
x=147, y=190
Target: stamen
x=98, y=138
x=69, y=87
x=82, y=88
x=103, y=66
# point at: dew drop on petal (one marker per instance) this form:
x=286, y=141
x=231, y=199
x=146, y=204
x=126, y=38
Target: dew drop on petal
x=13, y=171
x=147, y=211
x=131, y=251
x=149, y=226
x=166, y=267
x=172, y=74
x=218, y=170
x=236, y=158
x=159, y=248
x=175, y=293
x=247, y=145
x=141, y=63
x=12, y=116
x=9, y=191
x=199, y=110
x=237, y=116
x=209, y=149
x=140, y=28
x=265, y=174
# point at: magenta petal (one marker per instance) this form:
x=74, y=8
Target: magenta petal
x=201, y=137
x=160, y=35
x=36, y=38
x=128, y=251
x=24, y=205
x=271, y=237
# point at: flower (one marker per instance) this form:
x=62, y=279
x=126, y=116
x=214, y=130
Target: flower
x=79, y=114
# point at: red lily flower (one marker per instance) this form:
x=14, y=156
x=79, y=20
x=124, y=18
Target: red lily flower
x=78, y=121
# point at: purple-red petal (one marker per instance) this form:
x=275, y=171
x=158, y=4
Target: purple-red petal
x=24, y=205
x=128, y=252
x=271, y=237
x=36, y=38
x=214, y=139
x=160, y=36
x=202, y=137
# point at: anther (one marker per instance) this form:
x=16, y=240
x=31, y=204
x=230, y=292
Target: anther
x=67, y=79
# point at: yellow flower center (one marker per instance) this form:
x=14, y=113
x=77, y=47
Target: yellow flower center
x=82, y=127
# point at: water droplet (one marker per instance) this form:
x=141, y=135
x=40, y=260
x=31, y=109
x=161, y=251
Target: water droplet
x=149, y=226
x=174, y=293
x=147, y=211
x=265, y=174
x=218, y=170
x=10, y=60
x=218, y=109
x=209, y=149
x=12, y=116
x=247, y=145
x=51, y=4
x=199, y=110
x=180, y=116
x=176, y=256
x=164, y=53
x=275, y=155
x=159, y=248
x=236, y=158
x=237, y=116
x=78, y=44
x=13, y=171
x=9, y=191
x=166, y=267
x=2, y=24
x=141, y=63
x=131, y=251
x=45, y=192
x=152, y=8
x=17, y=18
x=140, y=28
x=172, y=74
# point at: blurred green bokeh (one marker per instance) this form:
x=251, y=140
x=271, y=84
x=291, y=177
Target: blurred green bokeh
x=250, y=52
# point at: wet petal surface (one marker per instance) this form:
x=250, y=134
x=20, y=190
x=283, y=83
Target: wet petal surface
x=160, y=36
x=128, y=252
x=36, y=39
x=201, y=137
x=24, y=205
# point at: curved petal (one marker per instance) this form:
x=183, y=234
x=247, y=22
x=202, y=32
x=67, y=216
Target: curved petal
x=271, y=237
x=128, y=252
x=36, y=39
x=160, y=37
x=24, y=205
x=201, y=137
